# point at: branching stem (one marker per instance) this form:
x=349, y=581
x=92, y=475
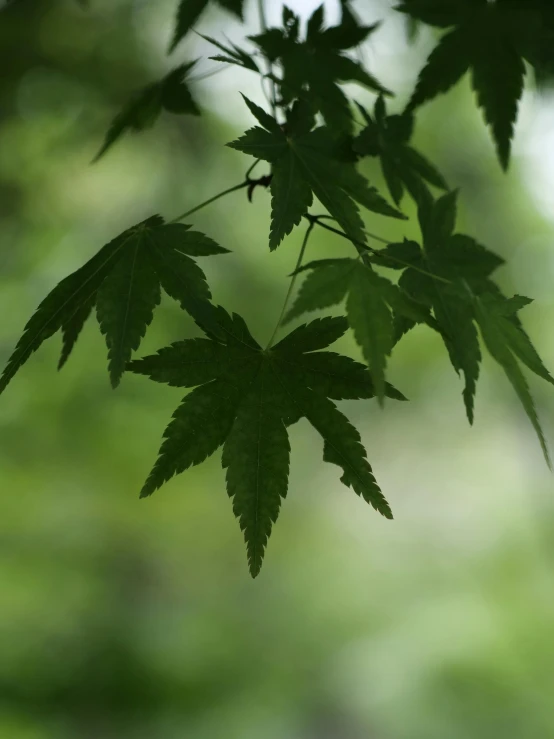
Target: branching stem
x=363, y=249
x=247, y=182
x=292, y=283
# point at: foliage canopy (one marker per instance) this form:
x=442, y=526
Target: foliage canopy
x=312, y=136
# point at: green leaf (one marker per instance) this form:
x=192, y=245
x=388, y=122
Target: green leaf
x=291, y=196
x=125, y=304
x=325, y=286
x=446, y=65
x=304, y=165
x=502, y=310
x=256, y=455
x=72, y=327
x=486, y=39
x=370, y=303
x=244, y=400
x=141, y=112
x=123, y=281
x=399, y=256
x=371, y=321
x=387, y=137
x=314, y=68
x=315, y=335
x=501, y=348
x=189, y=12
x=336, y=376
x=199, y=427
x=186, y=363
x=342, y=445
x=498, y=74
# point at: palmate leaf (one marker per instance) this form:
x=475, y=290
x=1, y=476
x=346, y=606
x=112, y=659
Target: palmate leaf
x=371, y=301
x=312, y=69
x=244, y=400
x=123, y=281
x=303, y=165
x=142, y=111
x=452, y=258
x=189, y=12
x=485, y=39
x=463, y=295
x=387, y=137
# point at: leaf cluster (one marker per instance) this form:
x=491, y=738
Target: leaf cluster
x=312, y=138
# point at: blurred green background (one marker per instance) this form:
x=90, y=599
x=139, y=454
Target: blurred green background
x=130, y=619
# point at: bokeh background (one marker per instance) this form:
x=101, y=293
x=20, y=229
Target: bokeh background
x=133, y=619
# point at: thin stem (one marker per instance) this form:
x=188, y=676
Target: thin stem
x=211, y=200
x=251, y=169
x=324, y=216
x=292, y=283
x=364, y=248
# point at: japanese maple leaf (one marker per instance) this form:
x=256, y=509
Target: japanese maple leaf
x=123, y=281
x=372, y=303
x=487, y=38
x=303, y=165
x=312, y=69
x=244, y=399
x=463, y=297
x=387, y=137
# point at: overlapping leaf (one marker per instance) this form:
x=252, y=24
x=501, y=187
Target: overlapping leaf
x=372, y=301
x=124, y=281
x=456, y=260
x=304, y=165
x=244, y=400
x=387, y=137
x=189, y=12
x=312, y=69
x=461, y=295
x=507, y=343
x=171, y=94
x=486, y=38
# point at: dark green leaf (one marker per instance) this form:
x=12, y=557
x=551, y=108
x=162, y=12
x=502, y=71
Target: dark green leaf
x=125, y=304
x=325, y=286
x=371, y=322
x=496, y=342
x=123, y=280
x=245, y=400
x=256, y=455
